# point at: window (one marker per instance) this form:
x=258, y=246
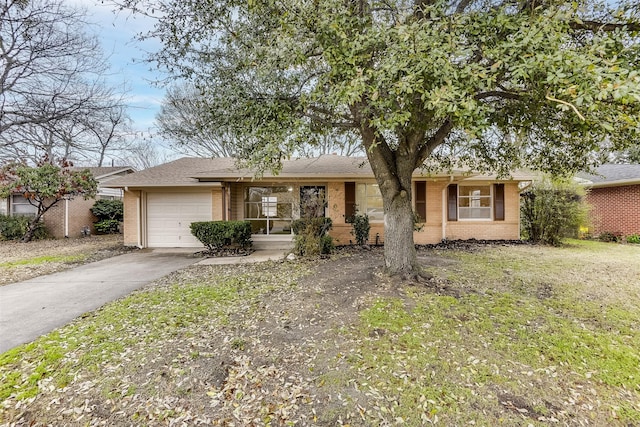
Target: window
x=369, y=201
x=21, y=206
x=474, y=201
x=269, y=209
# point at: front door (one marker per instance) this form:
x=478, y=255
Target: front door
x=313, y=201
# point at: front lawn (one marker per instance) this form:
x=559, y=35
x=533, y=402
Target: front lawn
x=502, y=335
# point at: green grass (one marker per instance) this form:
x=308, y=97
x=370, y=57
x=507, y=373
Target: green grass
x=43, y=260
x=434, y=360
x=479, y=340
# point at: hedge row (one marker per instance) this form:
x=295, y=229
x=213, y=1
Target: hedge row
x=216, y=235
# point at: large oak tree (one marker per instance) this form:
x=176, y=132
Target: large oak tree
x=488, y=84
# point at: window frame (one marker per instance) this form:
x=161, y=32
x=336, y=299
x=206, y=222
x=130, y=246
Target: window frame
x=13, y=203
x=268, y=208
x=365, y=209
x=490, y=196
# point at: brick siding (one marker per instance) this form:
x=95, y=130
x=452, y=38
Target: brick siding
x=131, y=231
x=79, y=216
x=615, y=209
x=431, y=231
x=217, y=204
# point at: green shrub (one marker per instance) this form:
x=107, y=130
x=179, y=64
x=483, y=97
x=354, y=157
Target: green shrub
x=551, y=210
x=216, y=235
x=108, y=209
x=633, y=238
x=326, y=244
x=15, y=227
x=360, y=228
x=311, y=236
x=317, y=226
x=107, y=226
x=109, y=213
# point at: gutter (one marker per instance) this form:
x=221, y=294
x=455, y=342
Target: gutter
x=618, y=183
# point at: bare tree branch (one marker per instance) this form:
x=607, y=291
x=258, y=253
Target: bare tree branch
x=596, y=26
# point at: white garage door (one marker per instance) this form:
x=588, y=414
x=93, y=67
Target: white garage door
x=169, y=216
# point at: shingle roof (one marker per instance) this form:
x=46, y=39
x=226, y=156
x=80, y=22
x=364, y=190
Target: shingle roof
x=189, y=171
x=100, y=171
x=612, y=174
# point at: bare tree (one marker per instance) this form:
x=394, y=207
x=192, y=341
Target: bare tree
x=190, y=125
x=195, y=128
x=109, y=130
x=143, y=152
x=54, y=100
x=343, y=144
x=46, y=62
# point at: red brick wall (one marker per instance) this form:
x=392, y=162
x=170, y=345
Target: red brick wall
x=615, y=209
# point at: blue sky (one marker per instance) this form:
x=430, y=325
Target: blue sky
x=126, y=55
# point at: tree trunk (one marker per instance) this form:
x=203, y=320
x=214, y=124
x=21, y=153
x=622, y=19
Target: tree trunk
x=399, y=249
x=31, y=230
x=393, y=169
x=393, y=174
x=33, y=224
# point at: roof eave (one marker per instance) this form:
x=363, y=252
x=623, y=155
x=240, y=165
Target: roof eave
x=617, y=183
x=105, y=175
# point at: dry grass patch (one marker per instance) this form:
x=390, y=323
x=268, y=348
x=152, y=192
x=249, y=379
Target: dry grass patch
x=22, y=261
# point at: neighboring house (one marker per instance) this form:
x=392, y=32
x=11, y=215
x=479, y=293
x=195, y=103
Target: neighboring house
x=161, y=202
x=614, y=195
x=68, y=217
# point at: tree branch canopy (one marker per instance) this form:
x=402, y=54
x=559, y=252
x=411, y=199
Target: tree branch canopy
x=491, y=84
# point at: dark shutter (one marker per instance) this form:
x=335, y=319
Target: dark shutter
x=421, y=200
x=498, y=202
x=452, y=203
x=349, y=200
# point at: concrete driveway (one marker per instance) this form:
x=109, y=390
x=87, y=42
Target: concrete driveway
x=37, y=306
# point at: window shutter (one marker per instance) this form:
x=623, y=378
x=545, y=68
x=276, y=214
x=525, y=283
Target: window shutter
x=349, y=200
x=421, y=200
x=452, y=203
x=498, y=202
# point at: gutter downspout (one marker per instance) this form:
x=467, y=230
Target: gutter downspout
x=444, y=213
x=138, y=218
x=66, y=217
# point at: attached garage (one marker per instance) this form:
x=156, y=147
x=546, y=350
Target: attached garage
x=170, y=214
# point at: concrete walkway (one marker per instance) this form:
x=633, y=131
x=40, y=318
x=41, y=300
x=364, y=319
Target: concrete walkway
x=257, y=256
x=37, y=306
